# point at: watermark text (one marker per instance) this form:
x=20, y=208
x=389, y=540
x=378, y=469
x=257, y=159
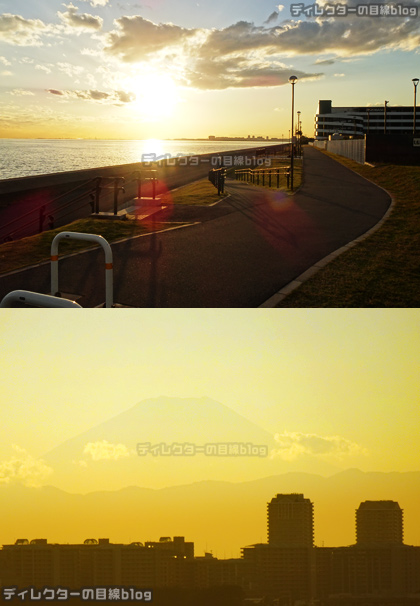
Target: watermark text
x=360, y=10
x=214, y=449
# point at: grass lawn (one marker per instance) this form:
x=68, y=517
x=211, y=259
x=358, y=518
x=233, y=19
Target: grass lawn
x=383, y=270
x=35, y=249
x=198, y=192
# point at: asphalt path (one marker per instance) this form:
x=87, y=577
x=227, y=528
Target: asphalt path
x=235, y=254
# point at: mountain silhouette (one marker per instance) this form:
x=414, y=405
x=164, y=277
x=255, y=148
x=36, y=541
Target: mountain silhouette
x=104, y=457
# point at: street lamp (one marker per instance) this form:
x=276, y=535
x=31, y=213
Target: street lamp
x=415, y=81
x=386, y=103
x=292, y=81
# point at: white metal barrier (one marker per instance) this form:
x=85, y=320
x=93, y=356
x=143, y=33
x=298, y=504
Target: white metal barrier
x=69, y=235
x=37, y=299
x=355, y=149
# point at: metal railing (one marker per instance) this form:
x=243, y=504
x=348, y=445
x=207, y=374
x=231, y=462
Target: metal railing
x=217, y=176
x=263, y=175
x=34, y=220
x=52, y=214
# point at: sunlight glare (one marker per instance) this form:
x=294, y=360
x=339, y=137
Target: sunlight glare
x=156, y=95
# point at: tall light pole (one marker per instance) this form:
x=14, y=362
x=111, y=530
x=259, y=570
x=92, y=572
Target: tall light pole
x=292, y=81
x=385, y=104
x=415, y=81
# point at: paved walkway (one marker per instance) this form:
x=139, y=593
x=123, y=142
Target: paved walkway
x=238, y=253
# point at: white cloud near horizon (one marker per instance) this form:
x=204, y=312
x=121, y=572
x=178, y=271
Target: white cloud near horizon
x=116, y=97
x=24, y=468
x=294, y=445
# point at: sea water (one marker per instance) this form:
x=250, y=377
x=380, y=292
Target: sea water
x=29, y=157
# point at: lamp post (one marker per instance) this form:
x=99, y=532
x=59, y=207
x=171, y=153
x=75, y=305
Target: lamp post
x=292, y=81
x=415, y=81
x=385, y=104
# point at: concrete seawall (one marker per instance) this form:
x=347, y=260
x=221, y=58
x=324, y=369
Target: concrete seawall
x=22, y=198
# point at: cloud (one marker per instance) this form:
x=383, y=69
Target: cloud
x=325, y=61
x=43, y=68
x=293, y=445
x=273, y=17
x=136, y=38
x=21, y=92
x=116, y=97
x=70, y=70
x=98, y=2
x=246, y=55
x=206, y=60
x=240, y=72
x=80, y=23
x=104, y=450
x=16, y=30
x=4, y=61
x=24, y=468
x=53, y=91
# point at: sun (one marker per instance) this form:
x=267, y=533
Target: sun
x=156, y=96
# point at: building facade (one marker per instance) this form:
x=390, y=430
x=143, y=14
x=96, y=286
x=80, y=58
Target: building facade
x=358, y=121
x=290, y=521
x=379, y=523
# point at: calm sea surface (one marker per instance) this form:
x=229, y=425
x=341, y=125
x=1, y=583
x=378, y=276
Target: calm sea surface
x=28, y=157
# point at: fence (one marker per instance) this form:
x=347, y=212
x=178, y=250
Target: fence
x=264, y=175
x=83, y=200
x=355, y=149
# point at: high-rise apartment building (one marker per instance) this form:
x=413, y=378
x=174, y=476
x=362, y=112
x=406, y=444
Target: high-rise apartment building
x=290, y=521
x=379, y=523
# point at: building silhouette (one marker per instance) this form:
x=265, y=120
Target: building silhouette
x=379, y=522
x=288, y=570
x=290, y=521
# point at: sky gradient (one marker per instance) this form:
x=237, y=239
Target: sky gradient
x=335, y=386
x=171, y=69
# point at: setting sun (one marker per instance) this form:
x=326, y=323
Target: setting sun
x=156, y=95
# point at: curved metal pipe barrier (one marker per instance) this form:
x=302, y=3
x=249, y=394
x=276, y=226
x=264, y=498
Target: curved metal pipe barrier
x=70, y=235
x=37, y=299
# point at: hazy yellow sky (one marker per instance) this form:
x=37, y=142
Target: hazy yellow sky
x=347, y=380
